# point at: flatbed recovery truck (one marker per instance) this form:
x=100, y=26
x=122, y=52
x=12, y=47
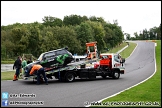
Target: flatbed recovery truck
x=105, y=65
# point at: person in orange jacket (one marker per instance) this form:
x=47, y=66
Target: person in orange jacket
x=40, y=70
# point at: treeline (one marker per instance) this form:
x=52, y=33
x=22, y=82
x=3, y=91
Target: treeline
x=151, y=34
x=74, y=31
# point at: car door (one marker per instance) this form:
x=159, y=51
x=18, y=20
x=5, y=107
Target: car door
x=49, y=59
x=61, y=56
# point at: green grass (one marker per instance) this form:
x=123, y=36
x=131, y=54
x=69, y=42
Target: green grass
x=147, y=92
x=7, y=75
x=7, y=62
x=126, y=53
x=116, y=49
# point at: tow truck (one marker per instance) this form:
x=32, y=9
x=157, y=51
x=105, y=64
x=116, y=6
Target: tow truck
x=104, y=66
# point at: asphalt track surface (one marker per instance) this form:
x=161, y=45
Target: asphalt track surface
x=139, y=66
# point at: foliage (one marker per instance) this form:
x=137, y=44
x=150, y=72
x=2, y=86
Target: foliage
x=151, y=34
x=52, y=21
x=74, y=31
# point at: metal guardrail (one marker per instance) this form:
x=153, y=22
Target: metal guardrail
x=6, y=67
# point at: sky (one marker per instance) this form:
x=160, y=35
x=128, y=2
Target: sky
x=132, y=16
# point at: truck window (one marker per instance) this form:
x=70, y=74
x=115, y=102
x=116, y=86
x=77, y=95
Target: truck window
x=91, y=48
x=116, y=58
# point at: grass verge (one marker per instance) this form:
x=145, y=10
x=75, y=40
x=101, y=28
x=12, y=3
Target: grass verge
x=126, y=53
x=116, y=49
x=7, y=75
x=7, y=62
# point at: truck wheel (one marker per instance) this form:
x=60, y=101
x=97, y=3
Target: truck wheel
x=69, y=77
x=116, y=74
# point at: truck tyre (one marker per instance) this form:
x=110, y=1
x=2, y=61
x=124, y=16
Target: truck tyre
x=69, y=77
x=116, y=74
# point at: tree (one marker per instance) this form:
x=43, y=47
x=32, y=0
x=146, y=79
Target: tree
x=99, y=34
x=50, y=42
x=52, y=21
x=66, y=36
x=98, y=19
x=118, y=35
x=127, y=36
x=84, y=34
x=84, y=18
x=115, y=22
x=35, y=41
x=159, y=33
x=109, y=34
x=72, y=20
x=18, y=47
x=93, y=18
x=7, y=49
x=136, y=36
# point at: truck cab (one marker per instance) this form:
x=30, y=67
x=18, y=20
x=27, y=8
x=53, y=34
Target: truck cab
x=108, y=64
x=110, y=60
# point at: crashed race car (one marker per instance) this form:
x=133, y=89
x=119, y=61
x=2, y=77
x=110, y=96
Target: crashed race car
x=51, y=59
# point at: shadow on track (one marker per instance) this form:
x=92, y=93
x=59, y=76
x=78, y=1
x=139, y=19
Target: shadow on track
x=77, y=80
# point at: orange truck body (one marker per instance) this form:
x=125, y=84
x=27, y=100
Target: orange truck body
x=106, y=62
x=91, y=50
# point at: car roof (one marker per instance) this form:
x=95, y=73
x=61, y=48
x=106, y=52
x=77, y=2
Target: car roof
x=55, y=50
